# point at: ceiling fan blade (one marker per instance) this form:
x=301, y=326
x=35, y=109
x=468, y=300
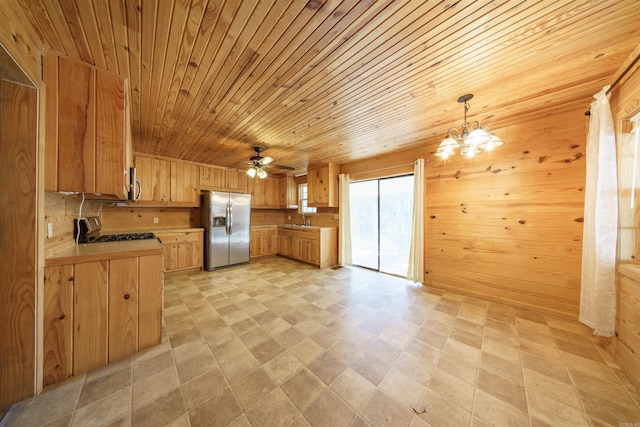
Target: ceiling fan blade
x=289, y=168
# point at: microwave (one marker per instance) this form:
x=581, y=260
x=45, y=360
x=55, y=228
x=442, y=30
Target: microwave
x=135, y=188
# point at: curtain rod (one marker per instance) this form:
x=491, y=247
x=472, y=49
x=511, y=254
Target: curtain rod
x=620, y=77
x=382, y=169
x=624, y=73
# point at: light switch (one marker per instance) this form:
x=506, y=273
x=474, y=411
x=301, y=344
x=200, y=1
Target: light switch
x=155, y=219
x=49, y=230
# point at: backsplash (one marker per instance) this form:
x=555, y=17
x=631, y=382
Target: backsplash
x=61, y=211
x=136, y=219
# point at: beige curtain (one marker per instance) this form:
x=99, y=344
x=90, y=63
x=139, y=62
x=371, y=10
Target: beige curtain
x=344, y=222
x=415, y=271
x=598, y=288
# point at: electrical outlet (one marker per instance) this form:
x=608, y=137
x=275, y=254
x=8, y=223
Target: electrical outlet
x=49, y=230
x=289, y=218
x=336, y=216
x=155, y=219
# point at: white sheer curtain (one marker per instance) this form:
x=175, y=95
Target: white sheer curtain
x=344, y=240
x=415, y=271
x=598, y=291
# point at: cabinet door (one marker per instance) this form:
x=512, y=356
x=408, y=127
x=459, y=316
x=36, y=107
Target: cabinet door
x=123, y=307
x=58, y=324
x=150, y=284
x=111, y=170
x=212, y=178
x=236, y=180
x=304, y=249
x=90, y=316
x=258, y=192
x=155, y=178
x=272, y=192
x=184, y=253
x=254, y=243
x=184, y=183
x=284, y=245
x=288, y=192
x=182, y=250
x=294, y=249
x=322, y=185
x=272, y=243
x=76, y=127
x=314, y=252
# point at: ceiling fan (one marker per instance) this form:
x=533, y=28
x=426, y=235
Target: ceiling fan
x=258, y=163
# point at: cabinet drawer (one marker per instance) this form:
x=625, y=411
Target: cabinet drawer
x=178, y=237
x=313, y=234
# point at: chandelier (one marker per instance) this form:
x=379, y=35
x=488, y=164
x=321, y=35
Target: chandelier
x=469, y=141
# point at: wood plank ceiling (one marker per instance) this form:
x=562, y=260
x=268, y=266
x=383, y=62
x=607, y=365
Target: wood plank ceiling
x=319, y=81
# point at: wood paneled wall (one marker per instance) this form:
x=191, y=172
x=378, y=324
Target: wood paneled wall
x=625, y=346
x=507, y=225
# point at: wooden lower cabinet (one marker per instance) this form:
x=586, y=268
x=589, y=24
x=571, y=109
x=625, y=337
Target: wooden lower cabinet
x=150, y=294
x=98, y=312
x=123, y=308
x=264, y=241
x=314, y=245
x=182, y=249
x=58, y=324
x=90, y=333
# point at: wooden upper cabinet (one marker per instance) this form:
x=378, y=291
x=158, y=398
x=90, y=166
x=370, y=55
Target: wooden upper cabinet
x=222, y=179
x=167, y=182
x=184, y=184
x=288, y=192
x=265, y=193
x=322, y=185
x=155, y=178
x=87, y=145
x=112, y=170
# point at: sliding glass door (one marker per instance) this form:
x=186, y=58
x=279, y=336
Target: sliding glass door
x=381, y=211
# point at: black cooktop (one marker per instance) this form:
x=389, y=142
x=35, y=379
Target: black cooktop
x=124, y=236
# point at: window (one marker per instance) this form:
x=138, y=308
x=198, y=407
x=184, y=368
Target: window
x=302, y=194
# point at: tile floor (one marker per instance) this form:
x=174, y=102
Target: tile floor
x=277, y=343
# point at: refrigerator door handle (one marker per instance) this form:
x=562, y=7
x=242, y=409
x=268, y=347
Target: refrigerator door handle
x=230, y=208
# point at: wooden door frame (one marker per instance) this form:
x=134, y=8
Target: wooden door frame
x=21, y=75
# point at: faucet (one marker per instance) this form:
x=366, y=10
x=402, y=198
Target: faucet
x=303, y=221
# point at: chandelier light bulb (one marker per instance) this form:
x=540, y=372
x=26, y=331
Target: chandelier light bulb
x=469, y=141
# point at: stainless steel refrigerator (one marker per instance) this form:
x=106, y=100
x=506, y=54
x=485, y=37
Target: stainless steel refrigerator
x=226, y=218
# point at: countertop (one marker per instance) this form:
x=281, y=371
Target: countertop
x=89, y=252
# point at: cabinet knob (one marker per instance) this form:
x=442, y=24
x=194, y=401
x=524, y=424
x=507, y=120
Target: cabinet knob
x=127, y=296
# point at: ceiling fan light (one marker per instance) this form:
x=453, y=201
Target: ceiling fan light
x=261, y=173
x=266, y=160
x=251, y=172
